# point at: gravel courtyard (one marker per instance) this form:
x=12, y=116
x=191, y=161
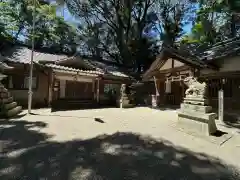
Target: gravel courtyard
x=112, y=144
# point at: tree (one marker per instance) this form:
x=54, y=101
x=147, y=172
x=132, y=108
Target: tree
x=215, y=22
x=172, y=16
x=51, y=31
x=116, y=27
x=111, y=26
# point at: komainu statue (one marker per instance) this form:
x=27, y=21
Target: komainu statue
x=196, y=114
x=195, y=88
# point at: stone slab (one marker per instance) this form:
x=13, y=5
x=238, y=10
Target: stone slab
x=196, y=100
x=203, y=123
x=125, y=101
x=212, y=139
x=195, y=108
x=128, y=105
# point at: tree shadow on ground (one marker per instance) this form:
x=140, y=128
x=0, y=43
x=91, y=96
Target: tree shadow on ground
x=108, y=157
x=20, y=134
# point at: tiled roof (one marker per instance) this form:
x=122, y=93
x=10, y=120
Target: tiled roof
x=222, y=49
x=3, y=65
x=106, y=68
x=185, y=56
x=64, y=68
x=21, y=54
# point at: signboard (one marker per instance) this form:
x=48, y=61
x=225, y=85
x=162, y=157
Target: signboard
x=220, y=105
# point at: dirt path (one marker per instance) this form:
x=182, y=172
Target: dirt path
x=137, y=143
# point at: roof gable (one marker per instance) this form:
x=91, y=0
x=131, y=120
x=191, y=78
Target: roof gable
x=183, y=57
x=171, y=63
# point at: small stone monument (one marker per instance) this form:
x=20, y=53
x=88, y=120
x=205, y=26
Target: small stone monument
x=154, y=101
x=125, y=100
x=195, y=111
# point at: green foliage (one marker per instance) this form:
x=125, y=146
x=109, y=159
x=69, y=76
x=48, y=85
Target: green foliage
x=16, y=18
x=116, y=27
x=215, y=22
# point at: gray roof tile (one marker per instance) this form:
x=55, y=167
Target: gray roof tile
x=64, y=68
x=21, y=54
x=106, y=68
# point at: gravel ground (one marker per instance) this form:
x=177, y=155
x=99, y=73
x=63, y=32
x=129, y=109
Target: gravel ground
x=112, y=144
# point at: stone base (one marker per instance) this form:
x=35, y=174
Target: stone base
x=195, y=100
x=202, y=122
x=193, y=108
x=125, y=103
x=128, y=105
x=155, y=101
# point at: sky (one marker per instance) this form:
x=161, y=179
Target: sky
x=187, y=28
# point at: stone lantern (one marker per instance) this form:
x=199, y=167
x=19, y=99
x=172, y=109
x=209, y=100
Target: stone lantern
x=125, y=99
x=8, y=107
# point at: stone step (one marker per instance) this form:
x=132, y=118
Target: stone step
x=7, y=100
x=125, y=101
x=13, y=112
x=3, y=89
x=128, y=105
x=4, y=95
x=200, y=122
x=9, y=106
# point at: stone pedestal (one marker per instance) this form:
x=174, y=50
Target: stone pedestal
x=125, y=102
x=197, y=115
x=155, y=101
x=195, y=112
x=8, y=108
x=125, y=98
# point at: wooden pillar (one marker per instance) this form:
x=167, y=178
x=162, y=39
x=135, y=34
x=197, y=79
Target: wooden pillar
x=98, y=84
x=10, y=83
x=93, y=89
x=62, y=88
x=183, y=90
x=50, y=87
x=156, y=86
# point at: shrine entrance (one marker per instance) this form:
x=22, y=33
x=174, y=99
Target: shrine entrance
x=172, y=90
x=178, y=89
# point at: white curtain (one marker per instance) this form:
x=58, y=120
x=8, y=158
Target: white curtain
x=168, y=87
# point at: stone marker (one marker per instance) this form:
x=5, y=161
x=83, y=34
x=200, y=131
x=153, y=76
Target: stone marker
x=195, y=112
x=125, y=100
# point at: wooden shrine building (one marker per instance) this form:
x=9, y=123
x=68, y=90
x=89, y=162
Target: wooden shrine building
x=218, y=66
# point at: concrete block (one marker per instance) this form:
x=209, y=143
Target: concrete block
x=193, y=108
x=202, y=122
